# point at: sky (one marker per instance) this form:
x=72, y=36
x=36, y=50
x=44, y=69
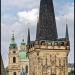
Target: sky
x=19, y=15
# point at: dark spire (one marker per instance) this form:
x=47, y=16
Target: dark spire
x=67, y=35
x=28, y=40
x=37, y=31
x=46, y=27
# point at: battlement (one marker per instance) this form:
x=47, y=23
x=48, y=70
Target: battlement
x=49, y=45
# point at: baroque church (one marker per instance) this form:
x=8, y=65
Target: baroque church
x=48, y=54
x=18, y=60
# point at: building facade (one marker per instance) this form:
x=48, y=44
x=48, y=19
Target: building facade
x=3, y=71
x=48, y=54
x=18, y=60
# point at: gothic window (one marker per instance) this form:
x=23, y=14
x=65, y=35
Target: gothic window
x=14, y=73
x=14, y=51
x=14, y=59
x=26, y=69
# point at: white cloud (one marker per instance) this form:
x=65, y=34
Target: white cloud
x=30, y=16
x=24, y=20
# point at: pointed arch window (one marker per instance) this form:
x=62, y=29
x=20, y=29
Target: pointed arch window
x=14, y=59
x=26, y=69
x=14, y=73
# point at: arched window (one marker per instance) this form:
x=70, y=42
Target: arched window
x=14, y=59
x=14, y=73
x=26, y=69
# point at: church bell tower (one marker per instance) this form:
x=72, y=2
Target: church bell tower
x=13, y=66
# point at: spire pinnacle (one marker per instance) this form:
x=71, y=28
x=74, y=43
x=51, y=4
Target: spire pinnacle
x=67, y=35
x=28, y=39
x=13, y=38
x=13, y=43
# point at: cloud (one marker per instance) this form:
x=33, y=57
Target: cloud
x=28, y=18
x=23, y=20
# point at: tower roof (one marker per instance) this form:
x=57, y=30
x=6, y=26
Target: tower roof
x=13, y=43
x=28, y=39
x=67, y=35
x=46, y=27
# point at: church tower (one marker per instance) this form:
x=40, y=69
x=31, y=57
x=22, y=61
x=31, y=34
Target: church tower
x=13, y=66
x=48, y=54
x=23, y=59
x=46, y=29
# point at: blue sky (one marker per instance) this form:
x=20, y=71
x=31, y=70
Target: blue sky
x=18, y=15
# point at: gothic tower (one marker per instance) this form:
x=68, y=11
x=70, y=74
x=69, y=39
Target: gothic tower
x=23, y=59
x=48, y=54
x=46, y=29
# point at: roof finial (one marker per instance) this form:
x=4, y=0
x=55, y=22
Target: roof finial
x=13, y=38
x=66, y=19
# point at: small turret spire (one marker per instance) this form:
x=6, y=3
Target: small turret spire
x=37, y=31
x=28, y=39
x=67, y=35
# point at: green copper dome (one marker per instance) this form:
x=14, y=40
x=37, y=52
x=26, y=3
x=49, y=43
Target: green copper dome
x=23, y=55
